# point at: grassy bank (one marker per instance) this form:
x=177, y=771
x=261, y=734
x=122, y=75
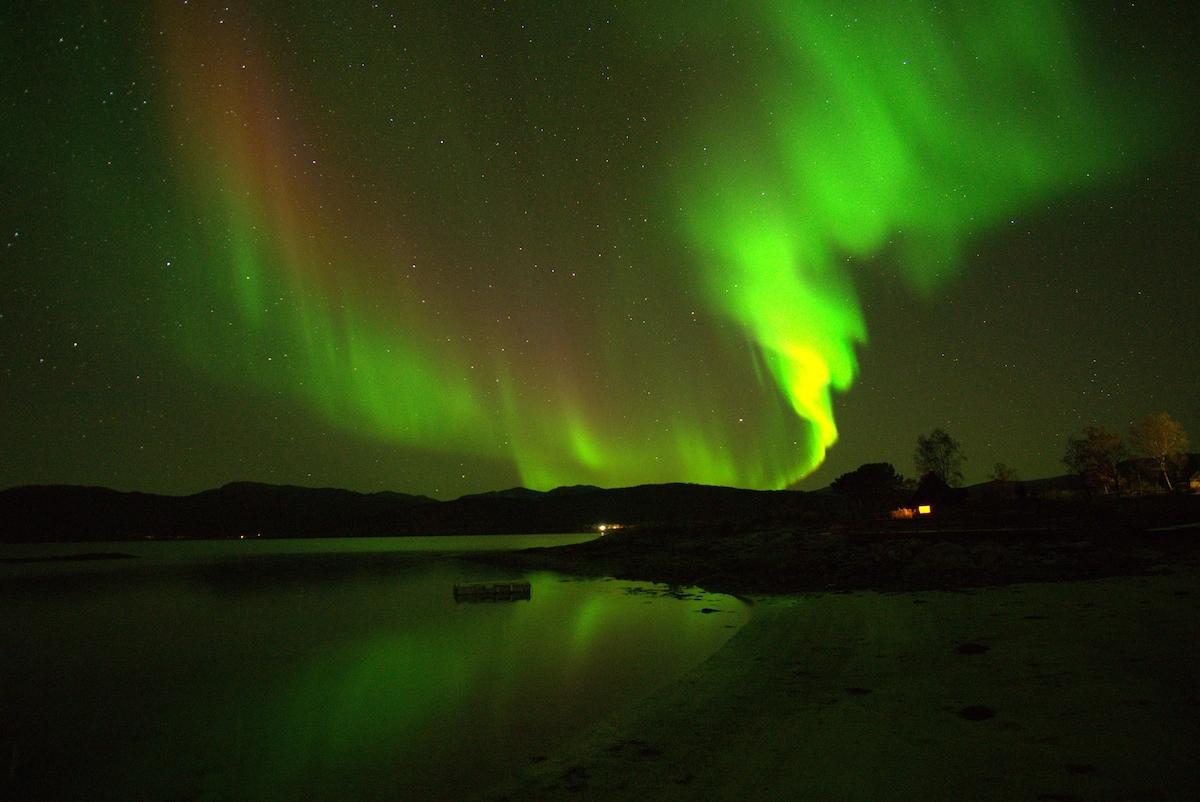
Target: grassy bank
x=791, y=559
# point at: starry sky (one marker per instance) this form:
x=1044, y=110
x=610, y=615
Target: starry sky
x=449, y=247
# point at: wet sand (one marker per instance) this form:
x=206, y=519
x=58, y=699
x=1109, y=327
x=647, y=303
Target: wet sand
x=1083, y=690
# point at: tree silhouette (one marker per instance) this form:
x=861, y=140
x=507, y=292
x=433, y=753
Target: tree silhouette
x=1094, y=456
x=1162, y=439
x=872, y=478
x=1004, y=475
x=941, y=455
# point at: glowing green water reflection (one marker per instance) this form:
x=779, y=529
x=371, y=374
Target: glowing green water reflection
x=317, y=677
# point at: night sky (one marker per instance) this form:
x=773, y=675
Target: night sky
x=446, y=247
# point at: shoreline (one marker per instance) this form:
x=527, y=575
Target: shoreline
x=788, y=560
x=1052, y=691
x=67, y=558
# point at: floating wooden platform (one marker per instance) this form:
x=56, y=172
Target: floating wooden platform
x=491, y=591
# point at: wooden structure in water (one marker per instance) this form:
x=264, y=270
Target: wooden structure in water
x=491, y=591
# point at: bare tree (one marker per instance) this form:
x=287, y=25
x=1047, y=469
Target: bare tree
x=1162, y=439
x=941, y=455
x=1004, y=474
x=1094, y=456
x=1005, y=481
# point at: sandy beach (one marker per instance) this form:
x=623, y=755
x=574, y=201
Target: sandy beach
x=1085, y=690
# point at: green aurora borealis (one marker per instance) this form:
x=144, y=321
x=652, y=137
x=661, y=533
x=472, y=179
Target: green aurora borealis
x=607, y=244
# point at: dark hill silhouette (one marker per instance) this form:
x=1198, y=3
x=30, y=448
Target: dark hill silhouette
x=73, y=513
x=69, y=513
x=248, y=509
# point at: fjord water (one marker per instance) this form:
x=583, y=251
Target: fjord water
x=280, y=670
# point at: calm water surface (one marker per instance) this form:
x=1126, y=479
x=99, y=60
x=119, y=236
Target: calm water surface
x=314, y=670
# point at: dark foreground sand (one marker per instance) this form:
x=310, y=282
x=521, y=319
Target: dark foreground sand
x=1059, y=691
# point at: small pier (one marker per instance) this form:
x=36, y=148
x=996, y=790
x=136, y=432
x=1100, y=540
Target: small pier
x=491, y=591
